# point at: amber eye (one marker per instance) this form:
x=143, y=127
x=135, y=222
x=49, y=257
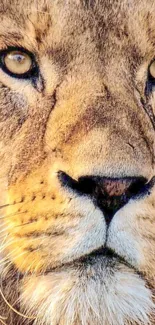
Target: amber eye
x=152, y=70
x=17, y=62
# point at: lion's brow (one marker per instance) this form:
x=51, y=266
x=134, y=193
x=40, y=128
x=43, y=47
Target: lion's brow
x=16, y=36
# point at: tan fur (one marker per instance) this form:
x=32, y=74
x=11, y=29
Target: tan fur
x=87, y=115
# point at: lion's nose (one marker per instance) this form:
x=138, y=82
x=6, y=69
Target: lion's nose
x=109, y=194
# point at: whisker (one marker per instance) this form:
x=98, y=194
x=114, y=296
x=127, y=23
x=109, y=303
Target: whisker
x=7, y=264
x=8, y=243
x=9, y=254
x=5, y=206
x=5, y=261
x=12, y=214
x=12, y=308
x=5, y=229
x=32, y=317
x=24, y=224
x=12, y=204
x=2, y=321
x=13, y=251
x=27, y=272
x=4, y=239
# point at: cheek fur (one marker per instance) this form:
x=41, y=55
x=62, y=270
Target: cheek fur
x=132, y=233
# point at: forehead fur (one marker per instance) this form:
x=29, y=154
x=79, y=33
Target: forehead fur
x=108, y=14
x=112, y=26
x=103, y=27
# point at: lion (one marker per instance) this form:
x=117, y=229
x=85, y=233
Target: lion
x=77, y=150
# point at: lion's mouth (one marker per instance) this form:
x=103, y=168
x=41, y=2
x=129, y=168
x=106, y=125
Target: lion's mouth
x=108, y=255
x=109, y=194
x=103, y=252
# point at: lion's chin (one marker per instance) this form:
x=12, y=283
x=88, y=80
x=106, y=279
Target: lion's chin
x=99, y=290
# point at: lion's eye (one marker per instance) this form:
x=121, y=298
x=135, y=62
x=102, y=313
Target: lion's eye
x=18, y=63
x=152, y=70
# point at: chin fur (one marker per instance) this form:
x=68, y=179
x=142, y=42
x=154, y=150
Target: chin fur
x=100, y=293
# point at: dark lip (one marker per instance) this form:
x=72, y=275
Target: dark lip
x=87, y=259
x=90, y=259
x=101, y=252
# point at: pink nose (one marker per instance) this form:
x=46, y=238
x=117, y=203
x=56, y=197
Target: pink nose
x=115, y=187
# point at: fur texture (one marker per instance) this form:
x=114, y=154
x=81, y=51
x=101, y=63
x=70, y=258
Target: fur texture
x=90, y=112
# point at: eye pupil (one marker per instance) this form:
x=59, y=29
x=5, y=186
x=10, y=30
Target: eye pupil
x=17, y=57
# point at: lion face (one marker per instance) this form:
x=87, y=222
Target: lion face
x=77, y=159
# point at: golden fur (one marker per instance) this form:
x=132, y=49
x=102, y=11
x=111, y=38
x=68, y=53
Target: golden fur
x=87, y=114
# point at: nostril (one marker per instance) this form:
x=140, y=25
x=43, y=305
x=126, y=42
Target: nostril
x=109, y=194
x=137, y=185
x=84, y=185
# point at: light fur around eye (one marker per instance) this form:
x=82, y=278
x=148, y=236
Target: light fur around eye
x=18, y=62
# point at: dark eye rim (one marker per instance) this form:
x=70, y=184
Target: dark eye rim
x=33, y=71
